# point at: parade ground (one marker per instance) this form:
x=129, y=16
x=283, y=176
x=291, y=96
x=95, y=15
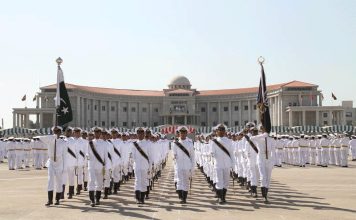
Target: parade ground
x=296, y=193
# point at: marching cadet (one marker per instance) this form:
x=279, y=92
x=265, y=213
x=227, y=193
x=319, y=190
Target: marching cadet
x=280, y=151
x=11, y=153
x=265, y=159
x=107, y=174
x=57, y=151
x=125, y=147
x=183, y=153
x=333, y=143
x=344, y=150
x=337, y=150
x=97, y=165
x=141, y=155
x=312, y=151
x=303, y=150
x=352, y=145
x=117, y=160
x=37, y=151
x=27, y=152
x=71, y=163
x=252, y=168
x=325, y=145
x=81, y=148
x=19, y=153
x=222, y=151
x=85, y=168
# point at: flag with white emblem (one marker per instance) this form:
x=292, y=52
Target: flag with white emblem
x=63, y=107
x=262, y=101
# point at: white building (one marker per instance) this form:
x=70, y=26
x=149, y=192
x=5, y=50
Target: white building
x=291, y=104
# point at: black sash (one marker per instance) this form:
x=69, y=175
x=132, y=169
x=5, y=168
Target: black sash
x=221, y=147
x=141, y=151
x=71, y=153
x=81, y=153
x=109, y=156
x=182, y=148
x=251, y=143
x=96, y=153
x=116, y=151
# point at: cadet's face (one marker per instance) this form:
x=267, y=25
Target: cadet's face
x=84, y=136
x=140, y=134
x=91, y=137
x=183, y=134
x=77, y=134
x=221, y=132
x=97, y=134
x=124, y=137
x=114, y=135
x=69, y=133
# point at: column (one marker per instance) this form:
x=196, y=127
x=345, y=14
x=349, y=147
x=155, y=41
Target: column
x=219, y=111
x=54, y=115
x=343, y=118
x=281, y=110
x=320, y=100
x=330, y=118
x=77, y=121
x=303, y=118
x=118, y=114
x=41, y=120
x=27, y=119
x=208, y=114
x=13, y=120
x=241, y=123
x=150, y=116
x=249, y=110
x=172, y=119
x=185, y=120
x=317, y=120
x=290, y=118
x=230, y=114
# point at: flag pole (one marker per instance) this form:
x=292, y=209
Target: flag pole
x=59, y=62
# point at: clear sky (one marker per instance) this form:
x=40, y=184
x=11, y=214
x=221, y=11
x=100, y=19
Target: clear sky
x=143, y=44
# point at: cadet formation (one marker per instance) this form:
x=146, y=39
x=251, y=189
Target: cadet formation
x=100, y=161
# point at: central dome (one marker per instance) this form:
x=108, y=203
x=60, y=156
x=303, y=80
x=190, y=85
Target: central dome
x=179, y=82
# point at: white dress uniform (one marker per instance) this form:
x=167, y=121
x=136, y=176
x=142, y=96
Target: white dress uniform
x=332, y=151
x=11, y=153
x=81, y=149
x=19, y=153
x=142, y=167
x=325, y=145
x=184, y=164
x=2, y=150
x=344, y=151
x=57, y=151
x=117, y=163
x=252, y=169
x=304, y=146
x=70, y=165
x=352, y=145
x=223, y=163
x=37, y=152
x=337, y=151
x=312, y=151
x=265, y=160
x=27, y=154
x=96, y=169
x=280, y=152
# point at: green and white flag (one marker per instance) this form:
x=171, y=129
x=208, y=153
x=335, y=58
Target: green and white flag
x=62, y=102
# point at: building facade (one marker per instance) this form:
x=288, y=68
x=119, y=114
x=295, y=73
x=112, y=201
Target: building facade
x=291, y=104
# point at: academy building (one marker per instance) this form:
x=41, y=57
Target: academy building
x=292, y=103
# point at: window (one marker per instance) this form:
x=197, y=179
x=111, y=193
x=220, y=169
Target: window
x=133, y=109
x=236, y=123
x=254, y=107
x=226, y=123
x=88, y=107
x=156, y=109
x=133, y=124
x=112, y=108
x=214, y=109
x=325, y=114
x=226, y=109
x=103, y=108
x=325, y=123
x=103, y=123
x=348, y=114
x=144, y=124
x=202, y=109
x=236, y=108
x=155, y=124
x=203, y=124
x=144, y=109
x=124, y=124
x=294, y=104
x=112, y=124
x=95, y=107
x=245, y=122
x=124, y=109
x=214, y=123
x=246, y=107
x=255, y=121
x=95, y=123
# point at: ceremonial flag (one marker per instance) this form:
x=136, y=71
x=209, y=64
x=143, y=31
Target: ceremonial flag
x=333, y=96
x=34, y=98
x=262, y=102
x=62, y=102
x=23, y=98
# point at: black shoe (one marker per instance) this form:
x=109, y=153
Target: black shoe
x=85, y=186
x=115, y=188
x=97, y=197
x=180, y=194
x=63, y=191
x=254, y=191
x=220, y=196
x=79, y=188
x=50, y=198
x=92, y=198
x=58, y=197
x=71, y=192
x=142, y=197
x=106, y=192
x=147, y=193
x=137, y=196
x=223, y=195
x=184, y=195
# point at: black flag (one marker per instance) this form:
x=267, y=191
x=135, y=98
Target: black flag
x=262, y=102
x=63, y=107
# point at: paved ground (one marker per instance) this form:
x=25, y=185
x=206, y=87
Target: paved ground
x=297, y=193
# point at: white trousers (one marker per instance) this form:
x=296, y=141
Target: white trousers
x=141, y=180
x=96, y=180
x=265, y=168
x=222, y=178
x=55, y=175
x=183, y=179
x=11, y=158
